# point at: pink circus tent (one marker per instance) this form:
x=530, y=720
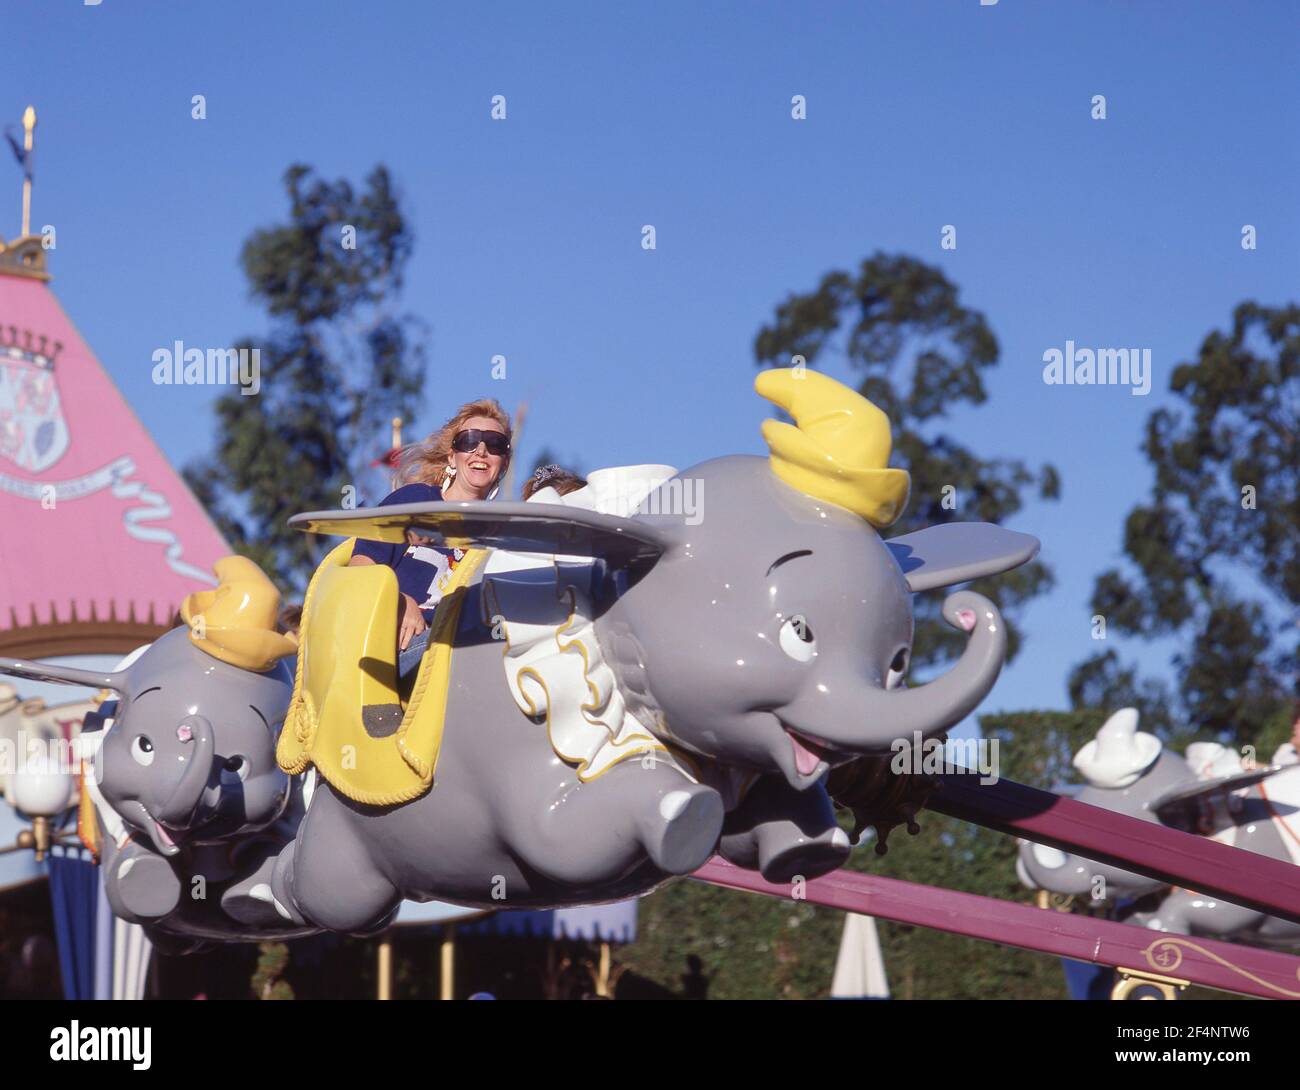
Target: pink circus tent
x=100, y=538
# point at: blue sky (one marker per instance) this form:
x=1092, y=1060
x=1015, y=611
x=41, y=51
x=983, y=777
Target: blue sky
x=1122, y=232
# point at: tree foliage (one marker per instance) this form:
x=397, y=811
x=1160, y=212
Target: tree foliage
x=901, y=325
x=272, y=960
x=1213, y=555
x=337, y=365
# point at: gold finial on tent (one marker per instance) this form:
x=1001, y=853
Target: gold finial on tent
x=236, y=622
x=838, y=447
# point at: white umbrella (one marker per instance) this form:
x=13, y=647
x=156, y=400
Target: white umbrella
x=860, y=967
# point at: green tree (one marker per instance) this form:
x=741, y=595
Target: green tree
x=900, y=323
x=339, y=362
x=272, y=961
x=1214, y=552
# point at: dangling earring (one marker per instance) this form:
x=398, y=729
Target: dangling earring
x=448, y=476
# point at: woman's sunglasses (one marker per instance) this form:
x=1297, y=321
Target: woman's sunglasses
x=469, y=439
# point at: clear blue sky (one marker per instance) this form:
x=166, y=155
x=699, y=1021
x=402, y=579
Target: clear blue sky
x=1112, y=233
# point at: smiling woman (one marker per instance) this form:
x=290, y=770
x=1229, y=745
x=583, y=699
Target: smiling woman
x=465, y=459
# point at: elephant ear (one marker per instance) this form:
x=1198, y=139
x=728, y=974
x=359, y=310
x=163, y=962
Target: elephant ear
x=957, y=552
x=63, y=675
x=72, y=675
x=519, y=527
x=1180, y=806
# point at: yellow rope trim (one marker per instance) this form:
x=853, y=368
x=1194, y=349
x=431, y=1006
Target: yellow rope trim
x=418, y=740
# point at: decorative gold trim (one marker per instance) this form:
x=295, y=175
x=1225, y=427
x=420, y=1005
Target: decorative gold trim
x=638, y=744
x=1170, y=946
x=39, y=641
x=25, y=257
x=583, y=764
x=1132, y=979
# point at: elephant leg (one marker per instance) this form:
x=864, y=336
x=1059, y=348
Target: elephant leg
x=253, y=899
x=1170, y=915
x=783, y=833
x=1186, y=913
x=328, y=876
x=140, y=884
x=596, y=831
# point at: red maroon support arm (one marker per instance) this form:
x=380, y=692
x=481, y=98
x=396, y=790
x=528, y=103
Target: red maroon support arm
x=1181, y=859
x=1201, y=961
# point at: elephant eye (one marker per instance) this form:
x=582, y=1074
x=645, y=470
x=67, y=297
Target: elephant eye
x=237, y=765
x=142, y=750
x=897, y=670
x=797, y=639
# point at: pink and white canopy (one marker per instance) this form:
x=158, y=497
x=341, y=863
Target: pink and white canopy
x=100, y=538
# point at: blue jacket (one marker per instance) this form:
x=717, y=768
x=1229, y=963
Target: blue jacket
x=422, y=570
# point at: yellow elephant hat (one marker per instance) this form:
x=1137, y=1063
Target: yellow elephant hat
x=838, y=447
x=236, y=622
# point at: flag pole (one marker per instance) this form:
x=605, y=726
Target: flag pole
x=394, y=445
x=29, y=124
x=516, y=430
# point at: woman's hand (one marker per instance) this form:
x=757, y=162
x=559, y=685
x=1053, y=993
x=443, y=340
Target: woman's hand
x=410, y=623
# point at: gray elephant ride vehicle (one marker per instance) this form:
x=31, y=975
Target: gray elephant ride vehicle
x=1210, y=791
x=660, y=667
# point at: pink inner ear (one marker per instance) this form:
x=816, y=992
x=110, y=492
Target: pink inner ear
x=966, y=618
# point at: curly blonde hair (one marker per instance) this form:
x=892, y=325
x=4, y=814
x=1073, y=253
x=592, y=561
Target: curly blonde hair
x=426, y=462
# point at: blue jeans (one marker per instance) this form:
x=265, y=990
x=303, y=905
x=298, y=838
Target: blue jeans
x=408, y=661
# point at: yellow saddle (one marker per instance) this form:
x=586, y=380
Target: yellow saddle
x=345, y=716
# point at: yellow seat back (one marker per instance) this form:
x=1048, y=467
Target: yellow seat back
x=345, y=716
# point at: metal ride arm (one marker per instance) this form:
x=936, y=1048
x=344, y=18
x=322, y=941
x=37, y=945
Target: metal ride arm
x=1209, y=962
x=1181, y=859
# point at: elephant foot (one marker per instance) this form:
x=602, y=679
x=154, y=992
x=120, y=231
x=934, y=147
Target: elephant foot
x=145, y=887
x=254, y=900
x=376, y=927
x=783, y=857
x=683, y=832
x=252, y=906
x=784, y=834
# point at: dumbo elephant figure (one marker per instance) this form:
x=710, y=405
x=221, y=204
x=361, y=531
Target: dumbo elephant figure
x=1210, y=792
x=184, y=764
x=609, y=689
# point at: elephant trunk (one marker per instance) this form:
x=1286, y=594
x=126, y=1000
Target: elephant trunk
x=948, y=699
x=196, y=751
x=869, y=719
